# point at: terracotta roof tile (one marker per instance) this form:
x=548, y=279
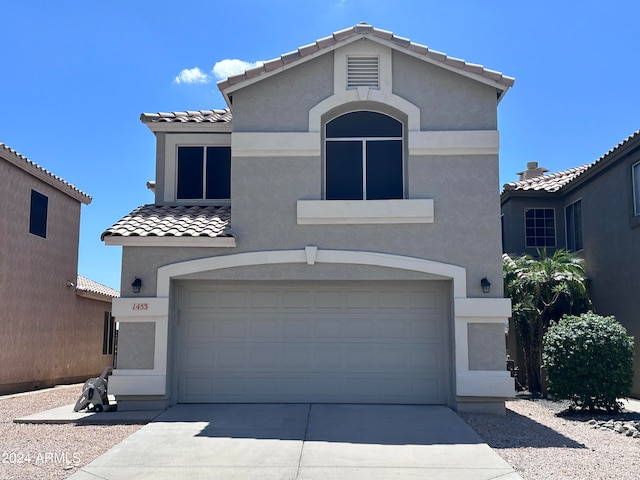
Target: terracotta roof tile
x=549, y=183
x=556, y=181
x=366, y=29
x=85, y=284
x=198, y=116
x=23, y=162
x=173, y=221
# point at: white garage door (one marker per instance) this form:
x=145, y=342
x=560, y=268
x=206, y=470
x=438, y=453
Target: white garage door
x=322, y=342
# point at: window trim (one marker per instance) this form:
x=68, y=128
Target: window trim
x=566, y=226
x=555, y=227
x=170, y=170
x=203, y=199
x=364, y=141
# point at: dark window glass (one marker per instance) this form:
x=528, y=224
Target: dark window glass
x=364, y=124
x=384, y=169
x=364, y=167
x=190, y=168
x=219, y=172
x=38, y=214
x=574, y=226
x=540, y=227
x=344, y=171
x=107, y=334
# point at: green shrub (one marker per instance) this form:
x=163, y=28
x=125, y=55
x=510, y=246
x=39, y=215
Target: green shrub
x=589, y=360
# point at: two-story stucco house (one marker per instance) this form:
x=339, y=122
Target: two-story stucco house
x=324, y=238
x=593, y=210
x=55, y=325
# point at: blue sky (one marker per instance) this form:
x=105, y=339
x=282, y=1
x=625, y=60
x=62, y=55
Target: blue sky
x=77, y=75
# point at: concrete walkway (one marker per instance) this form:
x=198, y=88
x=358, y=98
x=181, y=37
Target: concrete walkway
x=302, y=442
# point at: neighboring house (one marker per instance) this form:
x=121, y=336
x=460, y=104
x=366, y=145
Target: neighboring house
x=593, y=210
x=55, y=326
x=324, y=238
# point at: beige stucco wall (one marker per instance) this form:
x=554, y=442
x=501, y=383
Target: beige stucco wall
x=48, y=333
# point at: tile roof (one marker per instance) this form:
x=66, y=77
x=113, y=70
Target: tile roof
x=197, y=116
x=85, y=284
x=549, y=183
x=24, y=163
x=359, y=30
x=173, y=221
x=557, y=181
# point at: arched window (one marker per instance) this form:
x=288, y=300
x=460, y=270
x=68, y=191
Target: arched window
x=363, y=157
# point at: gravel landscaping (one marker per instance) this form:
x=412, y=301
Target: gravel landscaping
x=50, y=451
x=540, y=441
x=535, y=437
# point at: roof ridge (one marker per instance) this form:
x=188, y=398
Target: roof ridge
x=33, y=165
x=363, y=29
x=557, y=180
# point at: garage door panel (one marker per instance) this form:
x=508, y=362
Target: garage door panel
x=370, y=342
x=325, y=388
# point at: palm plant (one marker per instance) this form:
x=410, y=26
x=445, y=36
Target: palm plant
x=542, y=289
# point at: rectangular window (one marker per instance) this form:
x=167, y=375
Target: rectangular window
x=573, y=221
x=540, y=227
x=38, y=214
x=636, y=188
x=204, y=173
x=344, y=171
x=108, y=334
x=384, y=169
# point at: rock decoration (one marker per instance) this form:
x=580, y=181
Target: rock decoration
x=628, y=428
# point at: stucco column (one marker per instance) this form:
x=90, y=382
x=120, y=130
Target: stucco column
x=142, y=347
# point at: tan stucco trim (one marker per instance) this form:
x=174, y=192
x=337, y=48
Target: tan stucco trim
x=358, y=212
x=468, y=142
x=275, y=144
x=143, y=381
x=443, y=270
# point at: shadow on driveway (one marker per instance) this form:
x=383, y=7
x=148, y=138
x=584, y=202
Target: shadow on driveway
x=365, y=424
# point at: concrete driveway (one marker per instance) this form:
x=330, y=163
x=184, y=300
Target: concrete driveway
x=302, y=442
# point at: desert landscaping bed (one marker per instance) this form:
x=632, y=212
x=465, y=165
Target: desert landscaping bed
x=540, y=441
x=50, y=451
x=532, y=438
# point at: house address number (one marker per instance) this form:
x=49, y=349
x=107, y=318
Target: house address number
x=140, y=306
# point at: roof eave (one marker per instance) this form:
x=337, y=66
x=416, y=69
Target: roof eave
x=94, y=295
x=169, y=241
x=39, y=173
x=197, y=127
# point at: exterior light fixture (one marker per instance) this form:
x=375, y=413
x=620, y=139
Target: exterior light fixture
x=136, y=285
x=486, y=285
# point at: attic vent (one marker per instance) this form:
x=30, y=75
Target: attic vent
x=363, y=72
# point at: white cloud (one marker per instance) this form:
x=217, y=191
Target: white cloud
x=229, y=67
x=192, y=75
